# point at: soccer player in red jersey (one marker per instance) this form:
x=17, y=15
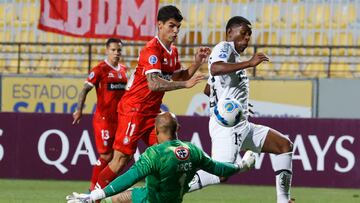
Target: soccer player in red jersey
x=158, y=70
x=109, y=79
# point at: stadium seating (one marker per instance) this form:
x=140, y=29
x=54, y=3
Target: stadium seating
x=340, y=70
x=289, y=23
x=313, y=70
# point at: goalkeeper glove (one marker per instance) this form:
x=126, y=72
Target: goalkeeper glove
x=247, y=162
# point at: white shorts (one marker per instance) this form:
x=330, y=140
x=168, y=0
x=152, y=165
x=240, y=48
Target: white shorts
x=227, y=142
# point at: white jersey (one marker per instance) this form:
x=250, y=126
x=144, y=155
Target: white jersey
x=232, y=85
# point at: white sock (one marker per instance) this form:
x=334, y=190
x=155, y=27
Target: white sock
x=283, y=171
x=203, y=179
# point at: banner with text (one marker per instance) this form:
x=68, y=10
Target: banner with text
x=133, y=20
x=48, y=146
x=44, y=95
x=267, y=97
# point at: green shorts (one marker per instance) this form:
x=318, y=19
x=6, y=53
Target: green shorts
x=139, y=195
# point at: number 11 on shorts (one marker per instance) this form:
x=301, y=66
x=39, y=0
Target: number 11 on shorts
x=130, y=129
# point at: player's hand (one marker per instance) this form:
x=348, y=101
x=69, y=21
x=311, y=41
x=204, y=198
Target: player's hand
x=201, y=55
x=248, y=161
x=77, y=117
x=197, y=78
x=257, y=59
x=78, y=198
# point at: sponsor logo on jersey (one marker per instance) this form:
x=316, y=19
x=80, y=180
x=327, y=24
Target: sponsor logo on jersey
x=91, y=75
x=111, y=75
x=182, y=153
x=153, y=59
x=116, y=86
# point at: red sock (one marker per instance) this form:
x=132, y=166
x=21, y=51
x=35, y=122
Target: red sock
x=105, y=177
x=97, y=168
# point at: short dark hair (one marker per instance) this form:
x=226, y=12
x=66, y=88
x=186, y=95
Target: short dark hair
x=237, y=21
x=113, y=40
x=167, y=12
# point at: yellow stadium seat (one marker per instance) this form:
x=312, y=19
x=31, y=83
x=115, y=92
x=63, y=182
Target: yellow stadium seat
x=195, y=17
x=315, y=70
x=293, y=17
x=345, y=14
x=265, y=70
x=356, y=71
x=268, y=38
x=270, y=15
x=343, y=39
x=317, y=39
x=31, y=14
x=216, y=37
x=191, y=38
x=319, y=16
x=43, y=66
x=5, y=36
x=2, y=65
x=7, y=13
x=10, y=66
x=289, y=69
x=219, y=16
x=340, y=70
x=292, y=39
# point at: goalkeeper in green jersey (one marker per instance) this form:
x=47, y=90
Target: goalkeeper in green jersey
x=168, y=168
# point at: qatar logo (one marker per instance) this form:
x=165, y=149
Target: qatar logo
x=182, y=153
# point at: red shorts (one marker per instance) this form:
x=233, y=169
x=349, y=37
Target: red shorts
x=130, y=129
x=104, y=131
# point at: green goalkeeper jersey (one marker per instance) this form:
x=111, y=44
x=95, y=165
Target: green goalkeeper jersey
x=168, y=168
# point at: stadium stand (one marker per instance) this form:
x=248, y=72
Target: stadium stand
x=302, y=37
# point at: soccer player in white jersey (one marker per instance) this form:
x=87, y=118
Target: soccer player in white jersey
x=228, y=80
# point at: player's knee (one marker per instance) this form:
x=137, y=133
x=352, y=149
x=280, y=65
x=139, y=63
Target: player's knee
x=107, y=157
x=286, y=147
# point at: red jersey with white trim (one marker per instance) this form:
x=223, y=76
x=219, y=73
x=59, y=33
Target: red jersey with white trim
x=154, y=57
x=110, y=83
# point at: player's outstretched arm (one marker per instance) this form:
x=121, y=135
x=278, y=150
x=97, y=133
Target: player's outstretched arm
x=156, y=83
x=200, y=57
x=222, y=68
x=81, y=100
x=227, y=169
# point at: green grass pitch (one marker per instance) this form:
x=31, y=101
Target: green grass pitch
x=50, y=191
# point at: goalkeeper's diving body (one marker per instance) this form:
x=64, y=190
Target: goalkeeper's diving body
x=168, y=168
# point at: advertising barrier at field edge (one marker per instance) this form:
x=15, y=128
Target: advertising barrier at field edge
x=48, y=146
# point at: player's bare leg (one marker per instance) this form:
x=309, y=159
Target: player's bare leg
x=277, y=143
x=115, y=166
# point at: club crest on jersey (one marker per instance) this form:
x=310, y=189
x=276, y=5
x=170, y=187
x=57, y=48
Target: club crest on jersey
x=153, y=59
x=126, y=140
x=182, y=153
x=223, y=55
x=91, y=75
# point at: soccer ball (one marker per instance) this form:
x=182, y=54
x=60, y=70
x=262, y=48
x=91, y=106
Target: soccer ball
x=228, y=112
